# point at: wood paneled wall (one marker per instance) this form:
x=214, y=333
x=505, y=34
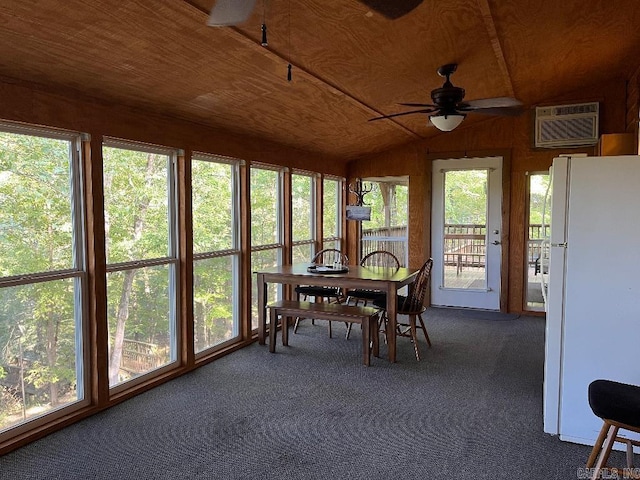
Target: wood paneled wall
x=633, y=104
x=514, y=135
x=29, y=103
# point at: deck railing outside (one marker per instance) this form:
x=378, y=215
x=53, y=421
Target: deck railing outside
x=391, y=239
x=464, y=244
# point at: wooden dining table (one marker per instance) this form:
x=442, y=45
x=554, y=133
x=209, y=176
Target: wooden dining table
x=384, y=279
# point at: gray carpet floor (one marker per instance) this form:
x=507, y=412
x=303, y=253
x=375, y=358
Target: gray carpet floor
x=471, y=409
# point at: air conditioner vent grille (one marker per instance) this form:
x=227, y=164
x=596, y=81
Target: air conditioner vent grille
x=566, y=125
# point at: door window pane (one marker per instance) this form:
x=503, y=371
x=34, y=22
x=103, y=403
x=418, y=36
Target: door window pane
x=465, y=214
x=41, y=275
x=139, y=191
x=537, y=232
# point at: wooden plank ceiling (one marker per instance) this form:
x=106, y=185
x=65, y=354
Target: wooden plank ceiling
x=349, y=63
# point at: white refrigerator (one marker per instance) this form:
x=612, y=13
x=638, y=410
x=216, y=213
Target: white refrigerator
x=593, y=297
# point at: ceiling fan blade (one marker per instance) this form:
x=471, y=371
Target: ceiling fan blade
x=392, y=9
x=230, y=12
x=502, y=111
x=483, y=103
x=424, y=110
x=418, y=105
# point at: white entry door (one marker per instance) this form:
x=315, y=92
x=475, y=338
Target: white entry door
x=466, y=232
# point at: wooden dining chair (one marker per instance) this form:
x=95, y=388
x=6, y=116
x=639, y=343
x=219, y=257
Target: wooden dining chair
x=328, y=256
x=377, y=258
x=412, y=306
x=618, y=405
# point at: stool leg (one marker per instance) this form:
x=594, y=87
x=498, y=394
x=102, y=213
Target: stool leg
x=606, y=451
x=375, y=331
x=285, y=330
x=366, y=349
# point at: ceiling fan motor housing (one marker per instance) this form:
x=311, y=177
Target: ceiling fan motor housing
x=447, y=96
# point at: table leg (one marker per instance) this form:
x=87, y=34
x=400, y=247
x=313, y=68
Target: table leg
x=392, y=307
x=262, y=307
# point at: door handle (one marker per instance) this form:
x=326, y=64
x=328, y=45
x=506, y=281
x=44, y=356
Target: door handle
x=496, y=242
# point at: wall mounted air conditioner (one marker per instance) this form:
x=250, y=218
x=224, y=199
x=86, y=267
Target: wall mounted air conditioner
x=566, y=125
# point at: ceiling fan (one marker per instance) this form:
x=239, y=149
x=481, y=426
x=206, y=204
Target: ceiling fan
x=233, y=12
x=448, y=108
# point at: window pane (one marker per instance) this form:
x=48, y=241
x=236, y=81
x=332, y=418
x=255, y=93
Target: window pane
x=214, y=297
x=302, y=253
x=331, y=244
x=136, y=205
x=465, y=213
x=259, y=261
x=35, y=205
x=331, y=208
x=264, y=207
x=212, y=198
x=387, y=229
x=39, y=349
x=140, y=321
x=302, y=207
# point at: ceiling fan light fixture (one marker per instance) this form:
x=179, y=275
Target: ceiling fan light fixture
x=447, y=121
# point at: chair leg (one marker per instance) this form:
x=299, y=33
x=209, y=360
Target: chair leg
x=348, y=330
x=598, y=445
x=424, y=329
x=414, y=335
x=330, y=329
x=612, y=432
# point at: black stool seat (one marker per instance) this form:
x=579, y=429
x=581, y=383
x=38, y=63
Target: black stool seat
x=618, y=402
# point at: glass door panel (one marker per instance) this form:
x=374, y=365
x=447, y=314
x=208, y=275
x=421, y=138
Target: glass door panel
x=465, y=229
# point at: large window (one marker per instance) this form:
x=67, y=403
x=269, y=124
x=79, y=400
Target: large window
x=141, y=252
x=387, y=229
x=266, y=227
x=331, y=213
x=42, y=274
x=216, y=250
x=303, y=225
